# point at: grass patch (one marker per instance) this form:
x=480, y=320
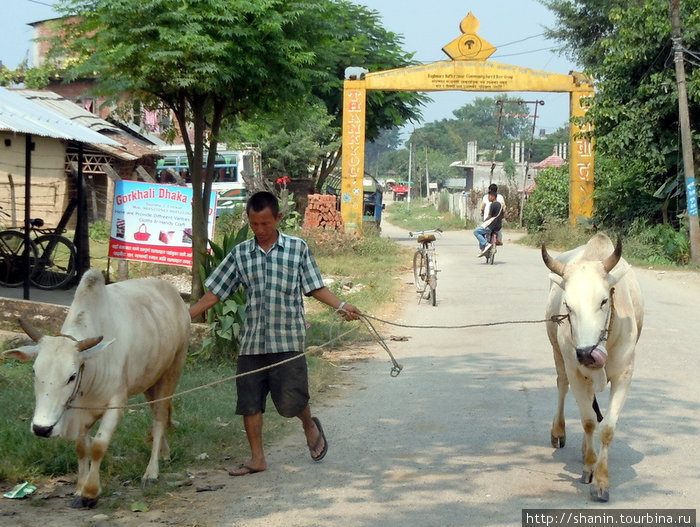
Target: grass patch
x=208, y=425
x=422, y=215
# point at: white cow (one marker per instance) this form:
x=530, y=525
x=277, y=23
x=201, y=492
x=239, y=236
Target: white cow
x=118, y=340
x=594, y=345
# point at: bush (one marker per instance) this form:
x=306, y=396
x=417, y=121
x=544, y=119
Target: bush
x=659, y=244
x=323, y=242
x=549, y=202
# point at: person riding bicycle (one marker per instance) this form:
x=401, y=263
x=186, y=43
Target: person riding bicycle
x=492, y=223
x=485, y=204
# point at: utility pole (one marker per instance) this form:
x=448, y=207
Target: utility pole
x=427, y=177
x=686, y=139
x=410, y=169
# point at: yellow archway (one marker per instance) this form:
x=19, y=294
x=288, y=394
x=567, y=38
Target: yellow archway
x=467, y=70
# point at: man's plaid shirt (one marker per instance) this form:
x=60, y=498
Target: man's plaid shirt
x=275, y=283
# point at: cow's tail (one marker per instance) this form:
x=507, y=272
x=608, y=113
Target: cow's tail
x=596, y=409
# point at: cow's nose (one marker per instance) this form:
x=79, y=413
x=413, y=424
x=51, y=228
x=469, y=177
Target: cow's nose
x=42, y=431
x=584, y=355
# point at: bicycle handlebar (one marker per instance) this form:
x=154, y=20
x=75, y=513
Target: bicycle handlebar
x=418, y=233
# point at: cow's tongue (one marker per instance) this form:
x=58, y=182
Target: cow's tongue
x=599, y=356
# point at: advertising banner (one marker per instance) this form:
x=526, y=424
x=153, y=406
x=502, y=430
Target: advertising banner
x=153, y=223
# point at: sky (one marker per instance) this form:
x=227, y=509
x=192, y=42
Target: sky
x=514, y=27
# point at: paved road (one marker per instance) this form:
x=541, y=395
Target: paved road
x=461, y=437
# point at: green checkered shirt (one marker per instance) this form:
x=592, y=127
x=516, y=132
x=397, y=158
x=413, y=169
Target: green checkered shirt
x=275, y=283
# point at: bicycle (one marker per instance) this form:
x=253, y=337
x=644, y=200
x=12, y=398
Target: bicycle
x=425, y=265
x=52, y=257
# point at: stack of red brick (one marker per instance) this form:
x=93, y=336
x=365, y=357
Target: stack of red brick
x=322, y=214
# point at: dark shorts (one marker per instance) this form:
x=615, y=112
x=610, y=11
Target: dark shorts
x=288, y=384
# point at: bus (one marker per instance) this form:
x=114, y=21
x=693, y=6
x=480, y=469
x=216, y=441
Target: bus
x=231, y=168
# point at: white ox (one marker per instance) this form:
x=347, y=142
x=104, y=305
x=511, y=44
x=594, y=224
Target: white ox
x=80, y=378
x=594, y=345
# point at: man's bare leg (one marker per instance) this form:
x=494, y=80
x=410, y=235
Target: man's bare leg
x=311, y=431
x=253, y=429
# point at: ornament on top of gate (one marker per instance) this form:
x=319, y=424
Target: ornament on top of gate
x=469, y=46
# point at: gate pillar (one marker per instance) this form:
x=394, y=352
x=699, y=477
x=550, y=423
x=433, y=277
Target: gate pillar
x=353, y=165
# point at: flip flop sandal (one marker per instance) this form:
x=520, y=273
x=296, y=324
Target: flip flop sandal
x=315, y=447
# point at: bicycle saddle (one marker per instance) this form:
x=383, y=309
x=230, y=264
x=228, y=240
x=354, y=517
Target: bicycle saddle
x=37, y=222
x=426, y=238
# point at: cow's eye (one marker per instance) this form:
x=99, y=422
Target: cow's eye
x=602, y=304
x=72, y=378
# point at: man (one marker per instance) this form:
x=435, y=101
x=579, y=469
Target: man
x=485, y=204
x=276, y=271
x=492, y=223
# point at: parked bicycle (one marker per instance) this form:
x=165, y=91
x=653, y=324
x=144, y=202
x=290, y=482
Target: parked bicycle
x=425, y=265
x=52, y=257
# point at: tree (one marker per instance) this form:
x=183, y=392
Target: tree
x=634, y=114
x=351, y=35
x=205, y=61
x=581, y=26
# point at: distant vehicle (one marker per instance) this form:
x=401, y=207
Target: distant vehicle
x=229, y=170
x=400, y=190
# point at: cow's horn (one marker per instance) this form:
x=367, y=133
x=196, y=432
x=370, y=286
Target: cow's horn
x=611, y=261
x=88, y=343
x=555, y=266
x=30, y=330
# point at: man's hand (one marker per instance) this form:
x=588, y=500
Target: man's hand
x=349, y=312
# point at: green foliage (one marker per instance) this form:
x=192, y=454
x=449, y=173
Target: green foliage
x=622, y=195
x=658, y=244
x=305, y=141
x=99, y=231
x=627, y=48
x=225, y=318
x=549, y=202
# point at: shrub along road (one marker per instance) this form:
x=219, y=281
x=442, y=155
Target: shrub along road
x=461, y=436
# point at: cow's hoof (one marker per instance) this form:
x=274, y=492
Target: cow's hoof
x=599, y=494
x=558, y=442
x=586, y=477
x=79, y=502
x=147, y=482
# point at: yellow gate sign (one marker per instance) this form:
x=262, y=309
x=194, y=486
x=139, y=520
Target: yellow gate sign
x=467, y=70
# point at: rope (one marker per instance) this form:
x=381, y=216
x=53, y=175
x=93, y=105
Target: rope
x=554, y=318
x=213, y=383
x=395, y=371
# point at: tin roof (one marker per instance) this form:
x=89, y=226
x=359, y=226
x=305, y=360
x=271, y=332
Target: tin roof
x=20, y=115
x=128, y=149
x=59, y=104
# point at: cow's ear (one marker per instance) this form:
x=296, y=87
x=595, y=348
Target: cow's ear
x=618, y=272
x=559, y=280
x=23, y=353
x=97, y=348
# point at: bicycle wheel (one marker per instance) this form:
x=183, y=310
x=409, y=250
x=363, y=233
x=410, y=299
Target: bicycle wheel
x=12, y=258
x=56, y=264
x=420, y=270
